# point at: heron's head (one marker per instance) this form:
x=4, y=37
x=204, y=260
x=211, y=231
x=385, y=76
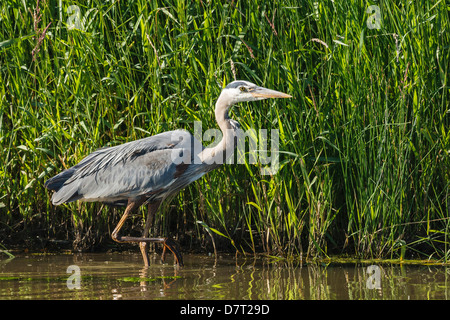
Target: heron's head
x=240, y=91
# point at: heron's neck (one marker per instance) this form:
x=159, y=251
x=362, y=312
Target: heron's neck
x=224, y=149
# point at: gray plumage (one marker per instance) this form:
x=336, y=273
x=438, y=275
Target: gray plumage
x=142, y=167
x=239, y=83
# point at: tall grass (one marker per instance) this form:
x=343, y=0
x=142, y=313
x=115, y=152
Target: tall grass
x=364, y=144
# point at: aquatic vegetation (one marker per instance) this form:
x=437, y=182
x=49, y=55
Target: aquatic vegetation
x=140, y=279
x=364, y=162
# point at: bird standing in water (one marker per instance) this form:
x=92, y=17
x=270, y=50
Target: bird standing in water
x=152, y=169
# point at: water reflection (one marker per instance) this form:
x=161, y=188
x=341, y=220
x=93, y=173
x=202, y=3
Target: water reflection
x=121, y=276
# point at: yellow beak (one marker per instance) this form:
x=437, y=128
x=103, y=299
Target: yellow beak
x=264, y=93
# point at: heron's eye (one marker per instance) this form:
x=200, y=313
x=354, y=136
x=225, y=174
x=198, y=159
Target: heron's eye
x=243, y=89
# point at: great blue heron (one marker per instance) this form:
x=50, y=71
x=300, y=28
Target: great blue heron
x=150, y=170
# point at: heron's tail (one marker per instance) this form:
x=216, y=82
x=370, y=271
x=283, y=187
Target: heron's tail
x=62, y=195
x=58, y=181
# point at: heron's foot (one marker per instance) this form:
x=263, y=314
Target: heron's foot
x=173, y=247
x=121, y=239
x=167, y=244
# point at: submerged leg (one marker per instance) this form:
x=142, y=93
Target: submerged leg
x=167, y=243
x=170, y=244
x=152, y=208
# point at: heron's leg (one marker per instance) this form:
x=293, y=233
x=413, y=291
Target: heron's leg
x=170, y=244
x=167, y=243
x=152, y=209
x=131, y=206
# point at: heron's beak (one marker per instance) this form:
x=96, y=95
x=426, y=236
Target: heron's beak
x=264, y=93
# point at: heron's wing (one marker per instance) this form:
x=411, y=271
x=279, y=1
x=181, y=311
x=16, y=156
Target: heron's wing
x=149, y=166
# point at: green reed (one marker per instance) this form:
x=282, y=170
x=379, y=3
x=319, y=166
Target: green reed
x=364, y=143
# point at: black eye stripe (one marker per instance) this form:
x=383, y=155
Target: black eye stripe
x=236, y=84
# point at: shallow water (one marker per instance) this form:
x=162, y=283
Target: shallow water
x=121, y=276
